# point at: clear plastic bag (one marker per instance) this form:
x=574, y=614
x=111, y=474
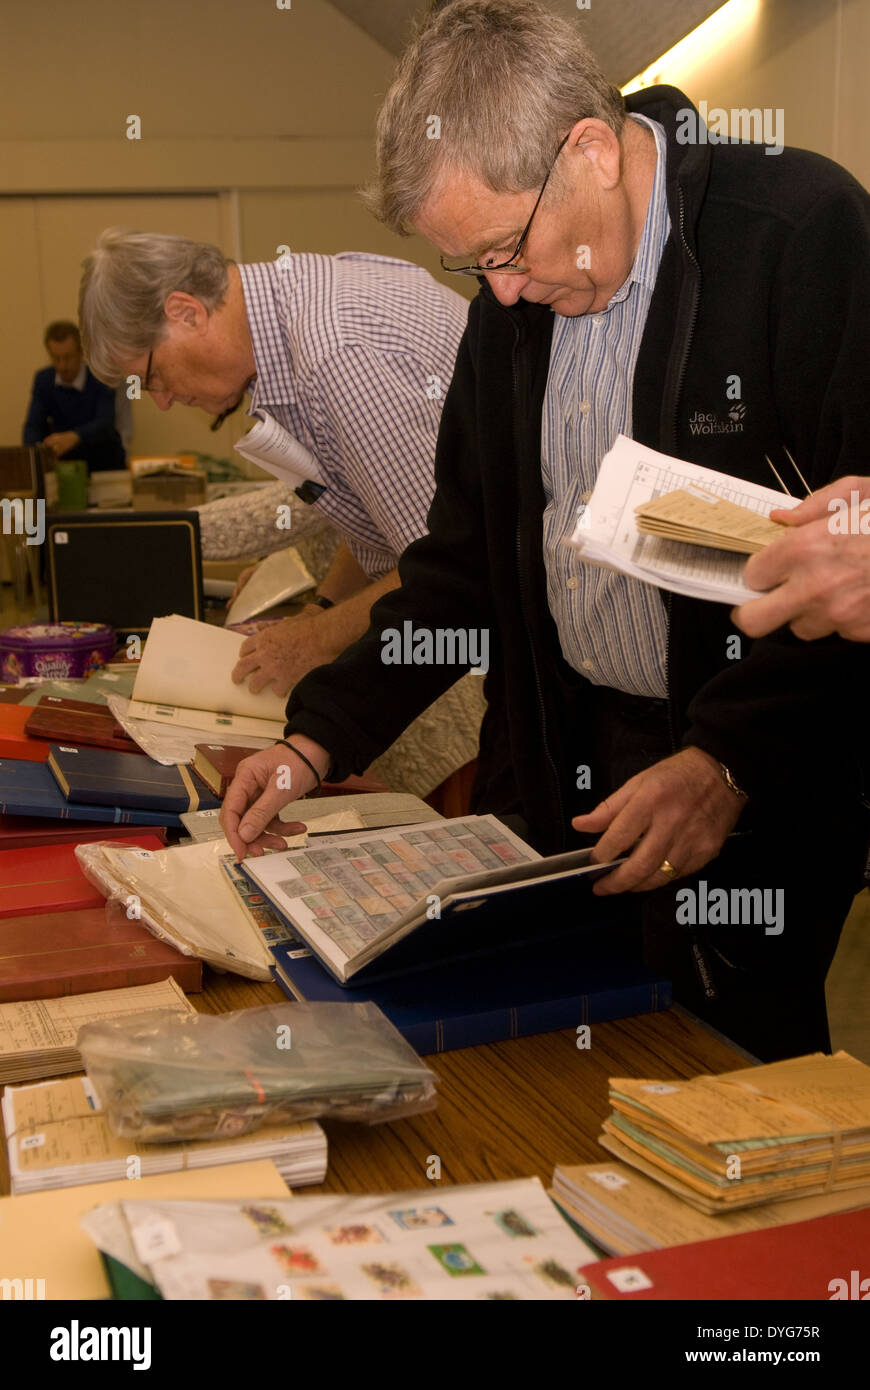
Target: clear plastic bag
x=183, y=897
x=164, y=1076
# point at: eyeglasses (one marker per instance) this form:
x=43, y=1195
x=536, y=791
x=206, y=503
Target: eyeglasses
x=145, y=385
x=457, y=265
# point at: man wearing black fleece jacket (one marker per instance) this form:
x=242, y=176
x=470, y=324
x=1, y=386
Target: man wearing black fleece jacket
x=753, y=771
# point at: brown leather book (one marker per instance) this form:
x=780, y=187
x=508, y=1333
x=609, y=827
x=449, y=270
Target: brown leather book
x=60, y=953
x=75, y=722
x=216, y=763
x=20, y=832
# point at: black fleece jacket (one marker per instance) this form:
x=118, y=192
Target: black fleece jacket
x=766, y=277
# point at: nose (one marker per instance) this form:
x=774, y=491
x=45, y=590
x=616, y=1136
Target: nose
x=162, y=399
x=507, y=288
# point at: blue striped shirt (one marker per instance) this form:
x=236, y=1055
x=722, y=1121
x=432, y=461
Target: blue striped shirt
x=354, y=354
x=612, y=628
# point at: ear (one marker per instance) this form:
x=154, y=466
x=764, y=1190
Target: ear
x=185, y=310
x=597, y=152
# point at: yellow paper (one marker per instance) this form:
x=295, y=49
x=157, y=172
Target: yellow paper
x=40, y=1235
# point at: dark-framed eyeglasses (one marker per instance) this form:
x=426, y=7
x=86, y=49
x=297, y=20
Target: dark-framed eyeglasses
x=146, y=383
x=458, y=265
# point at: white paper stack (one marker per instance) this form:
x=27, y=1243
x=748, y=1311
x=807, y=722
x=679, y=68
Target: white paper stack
x=607, y=529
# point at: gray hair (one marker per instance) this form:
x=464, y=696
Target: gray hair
x=507, y=79
x=124, y=286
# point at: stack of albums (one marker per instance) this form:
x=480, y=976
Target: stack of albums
x=789, y=1129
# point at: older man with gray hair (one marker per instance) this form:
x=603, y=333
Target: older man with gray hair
x=339, y=353
x=629, y=281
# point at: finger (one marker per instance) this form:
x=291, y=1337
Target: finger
x=759, y=616
x=811, y=624
x=259, y=680
x=249, y=646
x=815, y=507
x=640, y=869
x=244, y=667
x=602, y=816
x=259, y=816
x=775, y=562
x=292, y=827
x=626, y=829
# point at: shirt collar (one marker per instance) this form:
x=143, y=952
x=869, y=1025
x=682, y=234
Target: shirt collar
x=656, y=226
x=78, y=381
x=265, y=286
x=657, y=223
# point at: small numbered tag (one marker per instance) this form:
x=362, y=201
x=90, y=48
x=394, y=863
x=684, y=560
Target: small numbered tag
x=610, y=1180
x=33, y=1141
x=60, y=537
x=155, y=1238
x=629, y=1279
x=63, y=749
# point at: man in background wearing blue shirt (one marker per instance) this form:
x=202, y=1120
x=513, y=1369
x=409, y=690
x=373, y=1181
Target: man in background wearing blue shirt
x=70, y=411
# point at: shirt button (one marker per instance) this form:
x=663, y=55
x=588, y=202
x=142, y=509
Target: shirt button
x=588, y=665
x=585, y=407
x=586, y=497
x=572, y=582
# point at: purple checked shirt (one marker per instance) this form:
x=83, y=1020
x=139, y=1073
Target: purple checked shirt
x=354, y=355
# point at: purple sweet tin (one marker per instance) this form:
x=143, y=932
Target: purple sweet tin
x=55, y=651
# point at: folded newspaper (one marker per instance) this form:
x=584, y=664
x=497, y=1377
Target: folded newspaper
x=609, y=530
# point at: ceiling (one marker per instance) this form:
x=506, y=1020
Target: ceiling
x=625, y=35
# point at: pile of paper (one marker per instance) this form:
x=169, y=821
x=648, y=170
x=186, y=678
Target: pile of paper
x=57, y=1135
x=625, y=1212
x=631, y=479
x=38, y=1036
x=789, y=1129
x=488, y=1241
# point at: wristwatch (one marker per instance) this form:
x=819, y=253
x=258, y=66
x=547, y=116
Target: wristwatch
x=731, y=784
x=322, y=601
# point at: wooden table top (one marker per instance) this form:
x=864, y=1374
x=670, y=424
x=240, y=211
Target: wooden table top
x=505, y=1110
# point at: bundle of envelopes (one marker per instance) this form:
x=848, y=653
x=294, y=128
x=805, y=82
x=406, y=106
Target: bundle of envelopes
x=626, y=1212
x=788, y=1129
x=58, y=1135
x=698, y=517
x=168, y=1077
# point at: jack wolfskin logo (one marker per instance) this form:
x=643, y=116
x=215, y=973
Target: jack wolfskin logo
x=711, y=422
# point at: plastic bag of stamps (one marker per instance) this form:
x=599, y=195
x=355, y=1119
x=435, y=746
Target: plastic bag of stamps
x=165, y=1076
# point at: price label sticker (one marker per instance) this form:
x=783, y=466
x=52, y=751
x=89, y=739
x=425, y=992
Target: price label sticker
x=612, y=1181
x=155, y=1238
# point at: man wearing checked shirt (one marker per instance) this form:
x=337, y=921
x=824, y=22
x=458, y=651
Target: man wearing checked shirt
x=350, y=354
